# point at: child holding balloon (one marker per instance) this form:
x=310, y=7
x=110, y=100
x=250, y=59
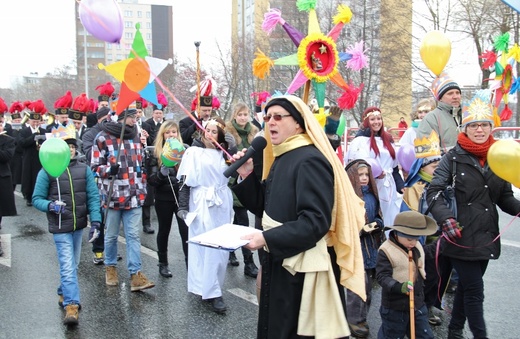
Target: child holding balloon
x=163, y=176
x=67, y=199
x=371, y=236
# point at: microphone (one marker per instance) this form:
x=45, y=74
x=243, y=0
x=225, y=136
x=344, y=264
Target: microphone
x=257, y=145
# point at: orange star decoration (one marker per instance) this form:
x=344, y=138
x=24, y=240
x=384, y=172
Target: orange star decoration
x=317, y=55
x=137, y=74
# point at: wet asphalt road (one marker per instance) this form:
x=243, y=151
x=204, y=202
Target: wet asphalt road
x=29, y=276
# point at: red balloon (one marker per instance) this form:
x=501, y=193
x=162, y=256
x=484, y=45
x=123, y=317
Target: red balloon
x=102, y=19
x=406, y=156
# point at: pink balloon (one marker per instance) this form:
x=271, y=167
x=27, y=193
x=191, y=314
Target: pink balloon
x=102, y=19
x=374, y=166
x=406, y=156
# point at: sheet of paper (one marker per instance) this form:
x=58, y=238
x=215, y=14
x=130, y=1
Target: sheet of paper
x=189, y=218
x=226, y=237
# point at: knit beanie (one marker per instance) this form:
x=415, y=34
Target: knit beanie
x=442, y=84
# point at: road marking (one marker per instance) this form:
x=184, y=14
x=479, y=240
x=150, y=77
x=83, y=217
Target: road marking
x=5, y=259
x=510, y=243
x=244, y=295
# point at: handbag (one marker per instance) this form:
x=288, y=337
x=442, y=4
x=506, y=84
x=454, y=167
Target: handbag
x=448, y=195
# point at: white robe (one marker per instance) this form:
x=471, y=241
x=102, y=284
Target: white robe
x=389, y=199
x=212, y=201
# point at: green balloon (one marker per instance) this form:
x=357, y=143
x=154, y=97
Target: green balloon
x=341, y=126
x=54, y=156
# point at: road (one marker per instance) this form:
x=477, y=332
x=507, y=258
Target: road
x=29, y=277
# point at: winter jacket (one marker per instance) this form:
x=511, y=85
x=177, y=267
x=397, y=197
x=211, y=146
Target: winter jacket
x=477, y=191
x=77, y=189
x=441, y=120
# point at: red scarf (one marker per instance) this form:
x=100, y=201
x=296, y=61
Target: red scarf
x=479, y=150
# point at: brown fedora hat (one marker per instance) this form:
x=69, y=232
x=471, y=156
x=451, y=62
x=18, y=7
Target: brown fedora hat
x=414, y=223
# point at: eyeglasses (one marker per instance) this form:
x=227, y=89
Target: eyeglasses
x=475, y=125
x=276, y=117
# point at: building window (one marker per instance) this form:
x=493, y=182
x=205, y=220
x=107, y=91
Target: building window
x=139, y=14
x=119, y=57
x=128, y=24
x=149, y=48
x=148, y=15
x=129, y=35
x=149, y=25
x=128, y=14
x=128, y=46
x=109, y=45
x=148, y=36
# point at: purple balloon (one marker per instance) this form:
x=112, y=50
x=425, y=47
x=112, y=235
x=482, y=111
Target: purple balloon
x=374, y=166
x=102, y=19
x=406, y=156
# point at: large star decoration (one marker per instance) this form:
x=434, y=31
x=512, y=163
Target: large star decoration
x=136, y=74
x=317, y=55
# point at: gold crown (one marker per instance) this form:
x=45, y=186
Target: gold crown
x=68, y=132
x=427, y=147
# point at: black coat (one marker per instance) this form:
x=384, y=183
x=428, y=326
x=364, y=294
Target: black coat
x=187, y=127
x=16, y=160
x=31, y=161
x=299, y=193
x=7, y=205
x=478, y=191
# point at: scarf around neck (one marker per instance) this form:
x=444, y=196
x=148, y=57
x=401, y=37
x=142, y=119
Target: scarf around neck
x=114, y=129
x=479, y=150
x=293, y=142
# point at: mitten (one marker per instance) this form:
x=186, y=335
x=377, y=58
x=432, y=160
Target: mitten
x=406, y=287
x=451, y=229
x=57, y=207
x=93, y=234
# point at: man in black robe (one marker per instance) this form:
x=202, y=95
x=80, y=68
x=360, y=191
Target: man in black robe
x=298, y=202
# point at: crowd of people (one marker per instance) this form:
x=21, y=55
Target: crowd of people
x=328, y=229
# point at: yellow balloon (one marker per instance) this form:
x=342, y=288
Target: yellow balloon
x=503, y=159
x=435, y=51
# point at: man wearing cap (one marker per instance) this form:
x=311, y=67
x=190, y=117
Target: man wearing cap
x=121, y=174
x=102, y=114
x=311, y=218
x=61, y=111
x=16, y=161
x=201, y=112
x=30, y=139
x=447, y=116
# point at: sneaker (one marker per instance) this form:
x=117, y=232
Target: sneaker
x=140, y=282
x=148, y=229
x=71, y=314
x=99, y=259
x=60, y=300
x=111, y=278
x=359, y=330
x=433, y=319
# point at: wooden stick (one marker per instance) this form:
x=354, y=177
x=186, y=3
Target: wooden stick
x=411, y=294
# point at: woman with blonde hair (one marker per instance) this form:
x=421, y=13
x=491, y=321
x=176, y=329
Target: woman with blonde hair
x=164, y=179
x=243, y=131
x=424, y=106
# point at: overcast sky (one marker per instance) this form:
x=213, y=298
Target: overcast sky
x=39, y=36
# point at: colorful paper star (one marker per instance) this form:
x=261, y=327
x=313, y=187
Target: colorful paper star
x=136, y=74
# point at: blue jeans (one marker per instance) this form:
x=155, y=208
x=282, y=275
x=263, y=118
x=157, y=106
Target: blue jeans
x=396, y=324
x=68, y=248
x=131, y=219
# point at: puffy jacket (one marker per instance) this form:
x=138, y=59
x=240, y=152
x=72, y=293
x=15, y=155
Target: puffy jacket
x=477, y=191
x=77, y=189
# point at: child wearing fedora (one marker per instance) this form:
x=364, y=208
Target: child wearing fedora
x=392, y=273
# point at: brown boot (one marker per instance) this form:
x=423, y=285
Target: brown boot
x=140, y=282
x=111, y=276
x=71, y=314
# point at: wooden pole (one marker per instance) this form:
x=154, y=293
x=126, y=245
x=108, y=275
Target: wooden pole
x=306, y=91
x=411, y=294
